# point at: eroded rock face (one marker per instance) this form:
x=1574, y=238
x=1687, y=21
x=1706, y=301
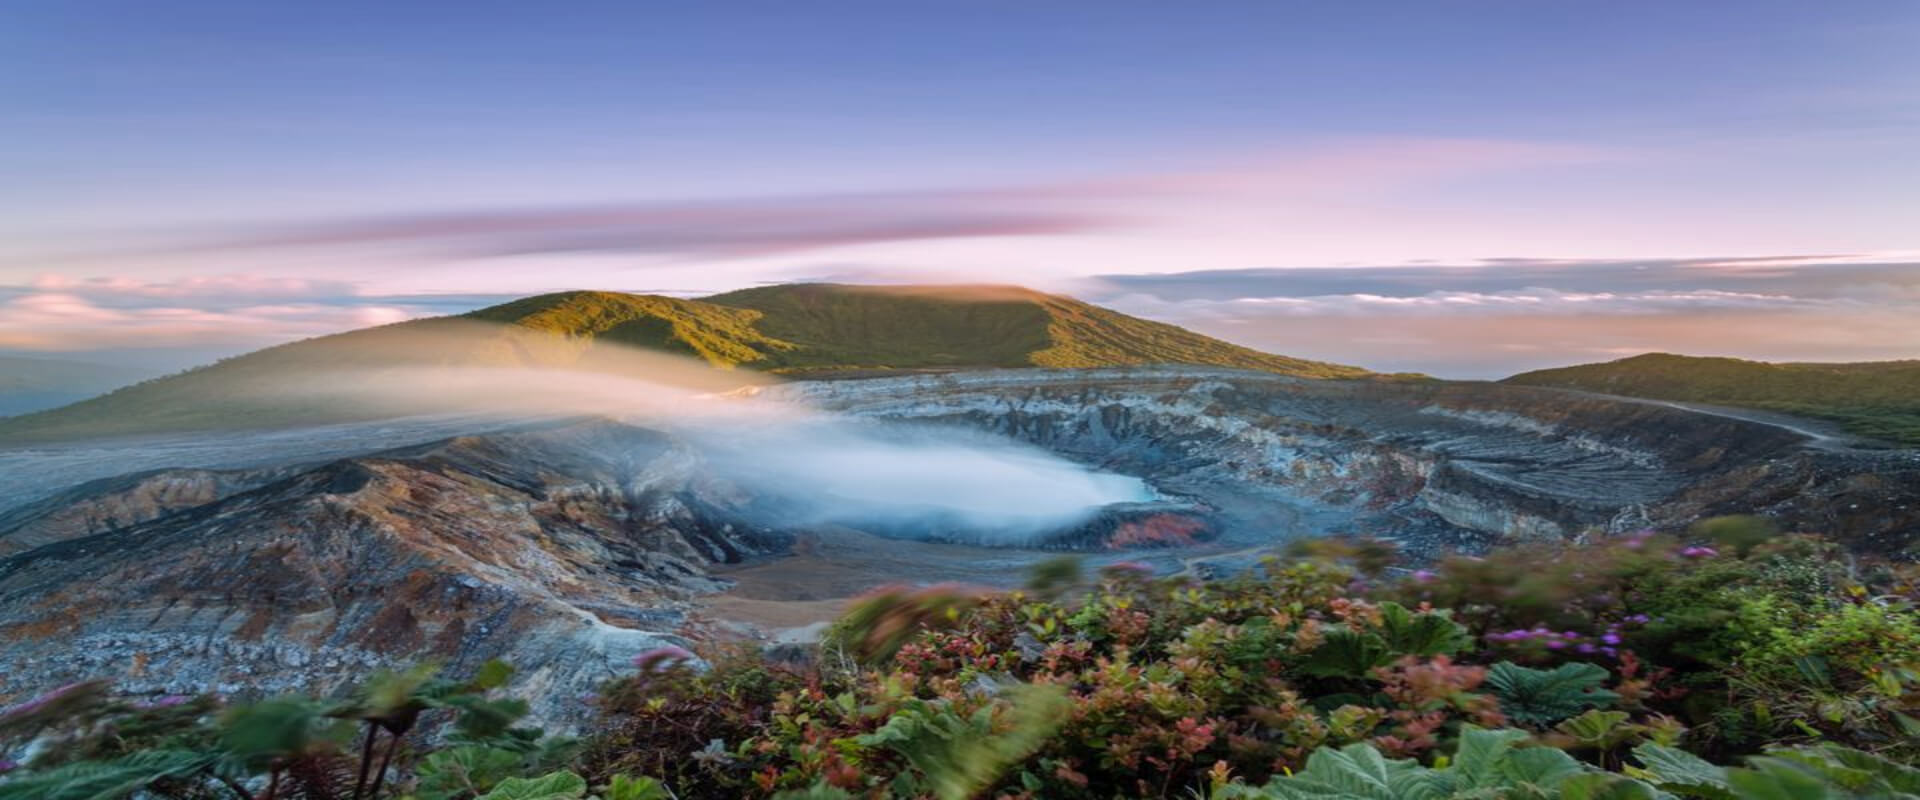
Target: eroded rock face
x=1438, y=465
x=566, y=550
x=570, y=547
x=110, y=504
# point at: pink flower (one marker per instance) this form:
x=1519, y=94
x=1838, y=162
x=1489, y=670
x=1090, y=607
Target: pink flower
x=164, y=701
x=662, y=657
x=40, y=702
x=1699, y=552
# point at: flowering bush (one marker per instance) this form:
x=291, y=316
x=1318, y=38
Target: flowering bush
x=1626, y=666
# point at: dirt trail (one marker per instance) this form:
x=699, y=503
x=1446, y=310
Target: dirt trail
x=1820, y=434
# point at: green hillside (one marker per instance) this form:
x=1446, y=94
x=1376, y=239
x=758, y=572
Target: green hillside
x=837, y=327
x=1877, y=399
x=800, y=330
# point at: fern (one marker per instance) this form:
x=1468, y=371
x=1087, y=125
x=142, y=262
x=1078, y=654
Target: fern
x=961, y=756
x=105, y=780
x=1538, y=698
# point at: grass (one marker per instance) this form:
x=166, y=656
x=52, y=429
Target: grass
x=800, y=330
x=1880, y=400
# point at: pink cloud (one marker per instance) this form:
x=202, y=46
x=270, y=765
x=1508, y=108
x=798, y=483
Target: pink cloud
x=779, y=225
x=221, y=286
x=56, y=321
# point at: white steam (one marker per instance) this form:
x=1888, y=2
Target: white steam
x=945, y=481
x=825, y=468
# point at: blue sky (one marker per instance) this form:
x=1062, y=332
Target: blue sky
x=199, y=177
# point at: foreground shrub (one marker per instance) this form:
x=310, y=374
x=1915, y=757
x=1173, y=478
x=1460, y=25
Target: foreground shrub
x=1742, y=666
x=89, y=745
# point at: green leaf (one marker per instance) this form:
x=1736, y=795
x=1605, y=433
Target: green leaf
x=1600, y=729
x=1354, y=772
x=1604, y=786
x=1346, y=653
x=1425, y=634
x=1896, y=776
x=1773, y=780
x=818, y=791
x=1677, y=770
x=961, y=756
x=1544, y=767
x=465, y=771
x=1543, y=697
x=552, y=786
x=491, y=675
x=1478, y=761
x=629, y=788
x=483, y=719
x=278, y=729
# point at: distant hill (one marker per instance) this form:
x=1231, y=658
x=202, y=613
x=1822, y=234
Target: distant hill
x=33, y=384
x=1877, y=399
x=799, y=330
x=837, y=327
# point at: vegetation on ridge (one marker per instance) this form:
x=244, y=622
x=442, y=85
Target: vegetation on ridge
x=1874, y=399
x=919, y=327
x=813, y=330
x=1731, y=663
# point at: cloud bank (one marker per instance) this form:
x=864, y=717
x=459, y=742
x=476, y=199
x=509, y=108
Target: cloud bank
x=1504, y=315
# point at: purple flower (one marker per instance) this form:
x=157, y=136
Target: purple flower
x=1555, y=644
x=1611, y=638
x=1423, y=575
x=8, y=765
x=1699, y=552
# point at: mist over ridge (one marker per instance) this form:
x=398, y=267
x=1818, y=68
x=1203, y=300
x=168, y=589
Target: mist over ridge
x=794, y=330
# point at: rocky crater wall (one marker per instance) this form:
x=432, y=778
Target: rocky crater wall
x=1440, y=465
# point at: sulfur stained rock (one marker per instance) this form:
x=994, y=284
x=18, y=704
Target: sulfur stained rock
x=566, y=550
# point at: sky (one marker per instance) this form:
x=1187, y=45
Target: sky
x=1459, y=187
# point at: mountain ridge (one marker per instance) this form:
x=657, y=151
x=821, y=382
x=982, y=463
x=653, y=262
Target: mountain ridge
x=810, y=330
x=1878, y=399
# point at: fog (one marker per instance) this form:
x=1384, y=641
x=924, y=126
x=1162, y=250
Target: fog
x=807, y=466
x=913, y=479
x=823, y=467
